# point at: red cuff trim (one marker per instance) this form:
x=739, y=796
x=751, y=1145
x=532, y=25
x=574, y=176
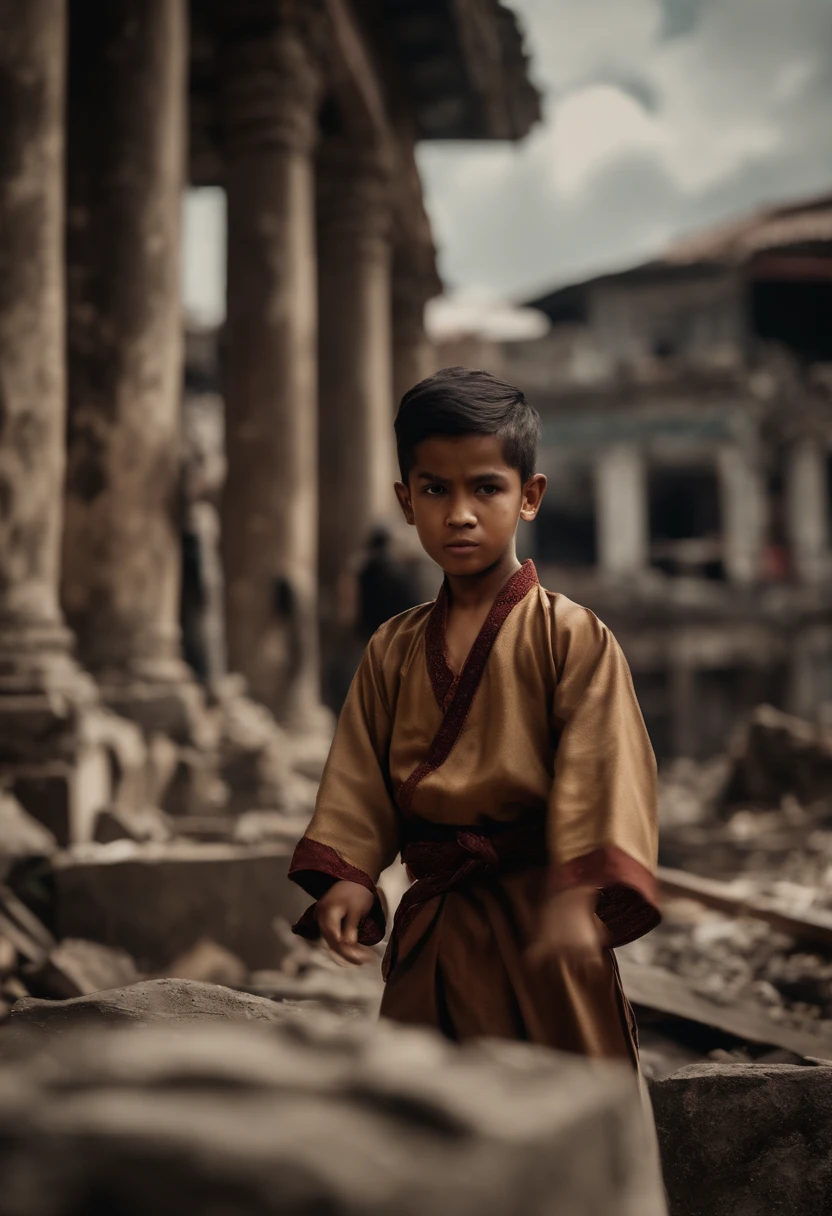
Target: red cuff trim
x=315, y=867
x=628, y=902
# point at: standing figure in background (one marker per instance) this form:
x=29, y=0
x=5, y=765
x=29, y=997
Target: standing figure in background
x=385, y=585
x=376, y=586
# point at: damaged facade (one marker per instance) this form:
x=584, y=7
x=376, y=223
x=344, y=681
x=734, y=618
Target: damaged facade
x=307, y=114
x=688, y=446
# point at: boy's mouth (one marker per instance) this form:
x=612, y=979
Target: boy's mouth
x=461, y=546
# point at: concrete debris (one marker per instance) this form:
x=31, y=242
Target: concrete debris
x=735, y=962
x=261, y=765
x=169, y=1001
x=746, y=1138
x=8, y=956
x=776, y=754
x=20, y=834
x=319, y=1117
x=77, y=968
x=142, y=824
x=209, y=963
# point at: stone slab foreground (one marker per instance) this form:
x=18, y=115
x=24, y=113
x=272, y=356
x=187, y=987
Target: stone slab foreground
x=315, y=1116
x=746, y=1139
x=157, y=900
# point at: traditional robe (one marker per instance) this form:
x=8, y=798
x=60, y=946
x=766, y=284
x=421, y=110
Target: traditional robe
x=529, y=771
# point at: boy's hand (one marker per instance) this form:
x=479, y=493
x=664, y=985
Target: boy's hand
x=339, y=913
x=569, y=929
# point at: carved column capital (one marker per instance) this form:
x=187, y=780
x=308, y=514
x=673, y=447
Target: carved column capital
x=272, y=75
x=355, y=198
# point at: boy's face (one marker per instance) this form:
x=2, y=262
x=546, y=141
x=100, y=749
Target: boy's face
x=465, y=501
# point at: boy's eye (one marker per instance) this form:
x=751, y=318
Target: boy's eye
x=432, y=491
x=490, y=491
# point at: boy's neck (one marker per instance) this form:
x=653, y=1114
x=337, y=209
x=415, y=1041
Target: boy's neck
x=472, y=591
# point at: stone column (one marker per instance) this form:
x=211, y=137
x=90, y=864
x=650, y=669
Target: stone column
x=34, y=642
x=127, y=92
x=412, y=350
x=743, y=514
x=621, y=511
x=47, y=754
x=807, y=510
x=357, y=448
x=271, y=88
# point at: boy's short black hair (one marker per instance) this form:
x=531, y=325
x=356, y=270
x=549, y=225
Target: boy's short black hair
x=464, y=401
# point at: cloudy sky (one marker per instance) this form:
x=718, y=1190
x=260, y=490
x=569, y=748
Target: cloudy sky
x=660, y=116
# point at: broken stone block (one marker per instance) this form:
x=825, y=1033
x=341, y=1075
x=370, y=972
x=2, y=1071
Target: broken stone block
x=261, y=765
x=258, y=827
x=21, y=835
x=157, y=900
x=140, y=824
x=210, y=829
x=77, y=968
x=194, y=785
x=209, y=963
x=776, y=754
x=320, y=1118
x=66, y=797
x=126, y=751
x=753, y=1138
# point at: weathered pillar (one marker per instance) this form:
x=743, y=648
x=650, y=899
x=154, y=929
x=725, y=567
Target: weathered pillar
x=621, y=511
x=57, y=772
x=357, y=449
x=807, y=510
x=742, y=496
x=271, y=88
x=127, y=90
x=413, y=360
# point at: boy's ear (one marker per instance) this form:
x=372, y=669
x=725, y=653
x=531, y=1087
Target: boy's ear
x=403, y=495
x=533, y=492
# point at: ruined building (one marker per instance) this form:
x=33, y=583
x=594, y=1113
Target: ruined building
x=306, y=112
x=687, y=408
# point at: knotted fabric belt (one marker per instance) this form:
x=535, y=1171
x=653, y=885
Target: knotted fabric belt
x=442, y=858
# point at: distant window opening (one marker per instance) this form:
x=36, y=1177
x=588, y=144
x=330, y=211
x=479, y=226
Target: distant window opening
x=795, y=314
x=777, y=559
x=685, y=524
x=566, y=527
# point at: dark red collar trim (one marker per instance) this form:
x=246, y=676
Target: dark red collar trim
x=442, y=678
x=460, y=691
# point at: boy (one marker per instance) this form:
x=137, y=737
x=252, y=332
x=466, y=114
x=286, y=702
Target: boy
x=492, y=737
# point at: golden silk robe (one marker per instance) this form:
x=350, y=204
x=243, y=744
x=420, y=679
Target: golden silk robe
x=541, y=734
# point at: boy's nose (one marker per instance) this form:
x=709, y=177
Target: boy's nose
x=460, y=514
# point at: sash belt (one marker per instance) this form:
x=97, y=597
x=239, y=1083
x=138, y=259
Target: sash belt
x=442, y=858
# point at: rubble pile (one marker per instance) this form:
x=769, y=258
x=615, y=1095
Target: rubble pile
x=759, y=820
x=731, y=961
x=147, y=898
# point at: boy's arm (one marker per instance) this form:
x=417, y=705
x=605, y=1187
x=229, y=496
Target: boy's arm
x=354, y=832
x=602, y=808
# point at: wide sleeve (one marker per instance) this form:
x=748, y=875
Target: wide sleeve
x=602, y=814
x=354, y=832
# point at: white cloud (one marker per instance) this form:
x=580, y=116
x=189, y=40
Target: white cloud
x=478, y=311
x=595, y=126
